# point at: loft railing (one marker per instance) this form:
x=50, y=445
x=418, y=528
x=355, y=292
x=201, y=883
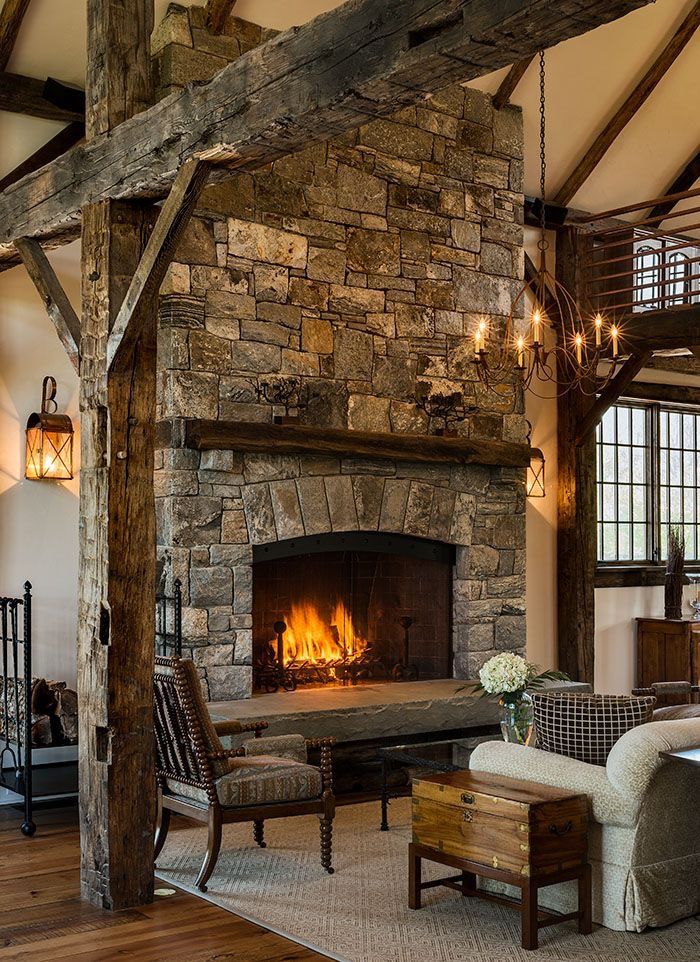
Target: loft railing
x=645, y=263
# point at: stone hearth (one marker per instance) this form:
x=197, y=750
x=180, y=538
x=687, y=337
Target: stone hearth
x=359, y=267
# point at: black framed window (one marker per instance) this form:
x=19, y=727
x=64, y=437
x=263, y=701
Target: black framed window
x=648, y=479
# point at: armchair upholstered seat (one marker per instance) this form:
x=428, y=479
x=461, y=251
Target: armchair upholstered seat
x=263, y=778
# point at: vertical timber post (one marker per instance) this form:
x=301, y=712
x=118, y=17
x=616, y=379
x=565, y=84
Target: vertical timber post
x=116, y=618
x=576, y=529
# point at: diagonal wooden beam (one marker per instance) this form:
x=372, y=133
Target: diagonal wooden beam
x=55, y=299
x=613, y=390
x=684, y=181
x=46, y=99
x=156, y=258
x=364, y=59
x=11, y=17
x=606, y=138
x=218, y=12
x=510, y=82
x=58, y=145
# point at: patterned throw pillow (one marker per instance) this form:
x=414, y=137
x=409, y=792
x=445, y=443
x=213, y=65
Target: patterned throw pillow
x=587, y=726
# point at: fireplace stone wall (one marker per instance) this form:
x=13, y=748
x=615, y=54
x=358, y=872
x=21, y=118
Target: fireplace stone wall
x=358, y=266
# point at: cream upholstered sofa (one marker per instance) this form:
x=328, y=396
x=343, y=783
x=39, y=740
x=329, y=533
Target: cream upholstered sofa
x=644, y=841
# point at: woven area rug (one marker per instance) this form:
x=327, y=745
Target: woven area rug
x=360, y=914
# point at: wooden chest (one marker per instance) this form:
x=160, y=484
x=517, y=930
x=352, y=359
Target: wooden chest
x=505, y=824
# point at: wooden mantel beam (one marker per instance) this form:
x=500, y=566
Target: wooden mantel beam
x=595, y=152
x=364, y=59
x=252, y=436
x=11, y=17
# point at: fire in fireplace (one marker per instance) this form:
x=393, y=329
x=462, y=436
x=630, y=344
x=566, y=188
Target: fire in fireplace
x=350, y=608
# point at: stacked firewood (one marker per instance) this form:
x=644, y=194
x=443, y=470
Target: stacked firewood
x=54, y=711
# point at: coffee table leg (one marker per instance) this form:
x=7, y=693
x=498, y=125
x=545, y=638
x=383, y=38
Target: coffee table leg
x=469, y=884
x=529, y=915
x=414, y=879
x=384, y=827
x=585, y=919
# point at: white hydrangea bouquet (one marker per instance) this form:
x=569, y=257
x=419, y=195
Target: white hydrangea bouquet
x=508, y=677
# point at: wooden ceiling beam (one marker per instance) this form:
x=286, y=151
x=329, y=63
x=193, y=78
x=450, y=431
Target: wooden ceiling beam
x=362, y=60
x=612, y=391
x=48, y=99
x=56, y=302
x=218, y=12
x=661, y=330
x=684, y=181
x=663, y=393
x=609, y=134
x=510, y=82
x=11, y=17
x=58, y=145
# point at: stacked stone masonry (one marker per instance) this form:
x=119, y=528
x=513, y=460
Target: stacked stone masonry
x=360, y=267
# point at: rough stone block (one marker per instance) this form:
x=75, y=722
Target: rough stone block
x=250, y=356
x=317, y=335
x=259, y=514
x=258, y=242
x=191, y=395
x=309, y=294
x=326, y=264
x=265, y=332
x=483, y=294
x=314, y=507
x=510, y=632
x=360, y=191
x=483, y=561
x=394, y=377
x=398, y=140
x=466, y=235
x=368, y=491
x=463, y=519
x=210, y=353
x=355, y=300
x=226, y=683
x=415, y=320
x=205, y=656
x=233, y=528
x=377, y=252
x=286, y=508
x=353, y=353
x=394, y=503
x=508, y=131
x=341, y=503
x=368, y=413
x=270, y=467
x=243, y=590
x=418, y=509
x=211, y=586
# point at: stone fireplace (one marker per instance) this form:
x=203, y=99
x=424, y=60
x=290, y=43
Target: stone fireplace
x=358, y=267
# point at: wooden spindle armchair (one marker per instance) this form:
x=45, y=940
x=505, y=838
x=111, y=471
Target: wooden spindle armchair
x=264, y=778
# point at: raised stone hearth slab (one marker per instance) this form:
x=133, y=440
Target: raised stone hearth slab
x=362, y=712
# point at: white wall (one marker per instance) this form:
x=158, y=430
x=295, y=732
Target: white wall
x=38, y=519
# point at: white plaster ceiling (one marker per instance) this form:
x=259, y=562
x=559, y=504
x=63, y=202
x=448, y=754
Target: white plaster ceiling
x=588, y=78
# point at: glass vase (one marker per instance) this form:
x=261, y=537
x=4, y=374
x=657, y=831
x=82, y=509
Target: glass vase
x=517, y=718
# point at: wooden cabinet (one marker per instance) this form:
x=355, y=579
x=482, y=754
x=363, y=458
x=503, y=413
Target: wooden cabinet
x=667, y=651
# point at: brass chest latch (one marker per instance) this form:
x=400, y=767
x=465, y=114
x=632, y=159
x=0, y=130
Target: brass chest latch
x=467, y=799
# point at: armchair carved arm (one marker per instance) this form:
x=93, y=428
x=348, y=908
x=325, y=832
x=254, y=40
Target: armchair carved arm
x=234, y=727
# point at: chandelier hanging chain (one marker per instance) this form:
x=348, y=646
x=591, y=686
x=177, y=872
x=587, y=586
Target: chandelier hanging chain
x=543, y=154
x=547, y=339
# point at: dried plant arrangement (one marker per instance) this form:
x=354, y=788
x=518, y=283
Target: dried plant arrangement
x=675, y=577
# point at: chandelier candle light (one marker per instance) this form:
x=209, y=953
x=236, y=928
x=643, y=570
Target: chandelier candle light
x=519, y=353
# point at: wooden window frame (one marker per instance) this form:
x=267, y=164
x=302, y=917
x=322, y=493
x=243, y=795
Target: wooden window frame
x=649, y=573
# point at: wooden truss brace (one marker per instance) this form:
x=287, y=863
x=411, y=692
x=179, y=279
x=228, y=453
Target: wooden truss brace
x=48, y=99
x=364, y=59
x=55, y=299
x=150, y=273
x=218, y=12
x=11, y=17
x=612, y=391
x=63, y=141
x=684, y=181
x=605, y=139
x=510, y=82
x=167, y=232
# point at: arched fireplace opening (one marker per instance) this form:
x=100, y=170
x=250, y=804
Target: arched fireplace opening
x=351, y=608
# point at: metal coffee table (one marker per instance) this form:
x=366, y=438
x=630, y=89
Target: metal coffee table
x=443, y=754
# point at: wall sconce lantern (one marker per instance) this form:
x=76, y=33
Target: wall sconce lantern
x=49, y=440
x=534, y=482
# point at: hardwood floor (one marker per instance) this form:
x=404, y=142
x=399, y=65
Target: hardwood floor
x=43, y=918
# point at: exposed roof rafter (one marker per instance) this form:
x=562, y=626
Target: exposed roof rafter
x=594, y=153
x=11, y=17
x=218, y=12
x=510, y=82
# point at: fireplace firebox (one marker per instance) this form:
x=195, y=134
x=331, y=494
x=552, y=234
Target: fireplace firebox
x=342, y=609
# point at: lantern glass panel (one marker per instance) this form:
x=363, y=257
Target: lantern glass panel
x=535, y=478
